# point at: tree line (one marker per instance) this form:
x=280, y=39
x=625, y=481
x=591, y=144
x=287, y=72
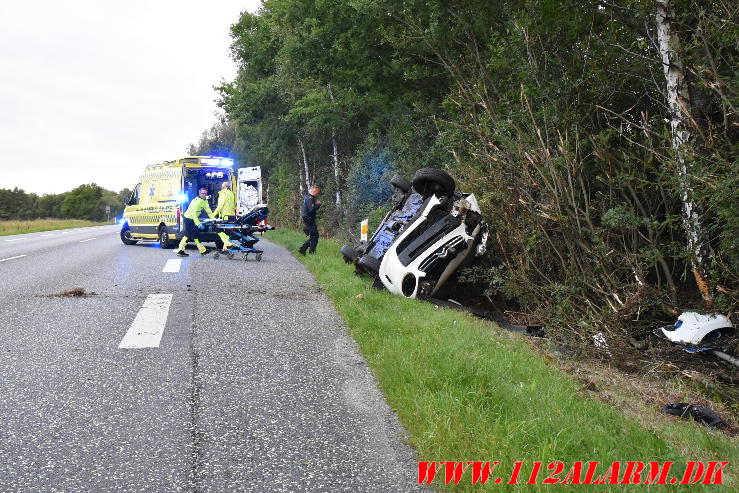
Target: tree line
x=599, y=137
x=88, y=202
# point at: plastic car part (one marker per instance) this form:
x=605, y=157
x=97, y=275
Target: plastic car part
x=373, y=250
x=701, y=414
x=432, y=181
x=692, y=327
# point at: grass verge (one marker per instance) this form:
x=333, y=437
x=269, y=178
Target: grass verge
x=35, y=225
x=467, y=390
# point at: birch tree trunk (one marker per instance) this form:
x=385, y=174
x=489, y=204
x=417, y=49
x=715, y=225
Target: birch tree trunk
x=678, y=101
x=305, y=164
x=300, y=178
x=335, y=156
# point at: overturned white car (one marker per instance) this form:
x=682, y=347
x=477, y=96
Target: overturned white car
x=425, y=238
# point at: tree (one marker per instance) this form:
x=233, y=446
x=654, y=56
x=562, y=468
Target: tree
x=84, y=203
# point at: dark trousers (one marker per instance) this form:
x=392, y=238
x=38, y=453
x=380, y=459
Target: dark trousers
x=311, y=229
x=191, y=231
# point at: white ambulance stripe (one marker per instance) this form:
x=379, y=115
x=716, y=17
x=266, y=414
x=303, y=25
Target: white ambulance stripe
x=11, y=258
x=172, y=265
x=148, y=326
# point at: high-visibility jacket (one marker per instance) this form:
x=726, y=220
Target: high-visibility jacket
x=226, y=203
x=195, y=208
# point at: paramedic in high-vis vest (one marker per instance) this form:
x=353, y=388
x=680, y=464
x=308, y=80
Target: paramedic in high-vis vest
x=226, y=207
x=192, y=222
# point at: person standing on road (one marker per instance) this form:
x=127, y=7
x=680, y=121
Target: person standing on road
x=308, y=212
x=192, y=222
x=226, y=207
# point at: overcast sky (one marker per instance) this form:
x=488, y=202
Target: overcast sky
x=91, y=91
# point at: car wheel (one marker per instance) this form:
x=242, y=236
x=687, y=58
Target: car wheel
x=429, y=181
x=349, y=254
x=126, y=236
x=369, y=264
x=398, y=181
x=164, y=240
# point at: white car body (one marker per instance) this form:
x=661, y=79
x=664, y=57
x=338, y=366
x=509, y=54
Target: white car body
x=457, y=242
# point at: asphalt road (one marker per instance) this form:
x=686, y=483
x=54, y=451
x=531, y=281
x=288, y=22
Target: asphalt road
x=252, y=385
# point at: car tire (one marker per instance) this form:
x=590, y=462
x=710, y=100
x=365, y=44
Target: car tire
x=126, y=236
x=349, y=254
x=398, y=181
x=164, y=240
x=369, y=265
x=430, y=181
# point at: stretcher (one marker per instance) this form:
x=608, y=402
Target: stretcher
x=240, y=230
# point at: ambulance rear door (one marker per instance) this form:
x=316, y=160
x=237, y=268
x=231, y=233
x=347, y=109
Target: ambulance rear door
x=249, y=188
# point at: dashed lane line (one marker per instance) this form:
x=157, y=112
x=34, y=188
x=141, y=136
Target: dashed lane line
x=11, y=258
x=89, y=239
x=148, y=326
x=16, y=239
x=172, y=265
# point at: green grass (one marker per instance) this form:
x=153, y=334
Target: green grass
x=466, y=390
x=35, y=225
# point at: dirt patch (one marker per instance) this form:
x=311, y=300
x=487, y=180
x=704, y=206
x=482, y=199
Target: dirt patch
x=75, y=293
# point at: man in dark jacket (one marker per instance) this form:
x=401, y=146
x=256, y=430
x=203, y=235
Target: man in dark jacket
x=308, y=212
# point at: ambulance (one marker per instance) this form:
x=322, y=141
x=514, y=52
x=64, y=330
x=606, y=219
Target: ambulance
x=156, y=207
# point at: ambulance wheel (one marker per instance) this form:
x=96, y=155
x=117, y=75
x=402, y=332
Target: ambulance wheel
x=219, y=243
x=216, y=254
x=126, y=236
x=259, y=256
x=164, y=240
x=231, y=255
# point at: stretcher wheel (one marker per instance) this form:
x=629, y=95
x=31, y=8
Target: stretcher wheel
x=231, y=255
x=259, y=256
x=244, y=256
x=216, y=254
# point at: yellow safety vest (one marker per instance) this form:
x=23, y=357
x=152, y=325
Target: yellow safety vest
x=226, y=203
x=195, y=208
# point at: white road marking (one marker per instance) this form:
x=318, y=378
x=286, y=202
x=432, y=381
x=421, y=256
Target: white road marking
x=172, y=265
x=50, y=234
x=11, y=258
x=89, y=239
x=17, y=239
x=148, y=326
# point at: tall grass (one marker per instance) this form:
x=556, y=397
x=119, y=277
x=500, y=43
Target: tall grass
x=32, y=226
x=466, y=390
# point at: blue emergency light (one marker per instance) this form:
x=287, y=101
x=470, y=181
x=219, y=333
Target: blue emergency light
x=218, y=161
